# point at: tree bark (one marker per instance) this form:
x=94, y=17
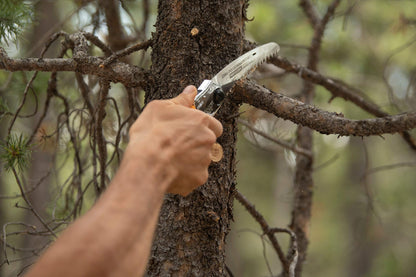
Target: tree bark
x=190, y=240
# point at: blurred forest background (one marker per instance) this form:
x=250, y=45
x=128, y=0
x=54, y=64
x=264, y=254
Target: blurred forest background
x=363, y=219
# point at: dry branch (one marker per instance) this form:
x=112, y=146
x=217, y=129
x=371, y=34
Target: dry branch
x=319, y=120
x=117, y=72
x=127, y=51
x=338, y=89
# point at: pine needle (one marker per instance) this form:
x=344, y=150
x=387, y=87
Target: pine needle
x=15, y=15
x=15, y=152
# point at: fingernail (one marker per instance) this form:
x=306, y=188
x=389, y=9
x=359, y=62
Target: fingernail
x=190, y=89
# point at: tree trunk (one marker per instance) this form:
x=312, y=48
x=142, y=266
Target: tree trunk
x=190, y=240
x=117, y=39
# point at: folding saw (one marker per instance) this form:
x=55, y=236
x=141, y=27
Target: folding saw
x=211, y=93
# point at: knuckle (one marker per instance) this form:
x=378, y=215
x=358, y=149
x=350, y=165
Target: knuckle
x=204, y=119
x=220, y=127
x=210, y=138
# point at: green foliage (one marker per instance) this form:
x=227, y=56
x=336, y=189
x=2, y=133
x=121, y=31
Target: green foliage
x=15, y=152
x=15, y=15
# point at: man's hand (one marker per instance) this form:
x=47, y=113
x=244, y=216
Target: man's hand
x=170, y=134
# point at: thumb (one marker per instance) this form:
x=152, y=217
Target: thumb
x=186, y=98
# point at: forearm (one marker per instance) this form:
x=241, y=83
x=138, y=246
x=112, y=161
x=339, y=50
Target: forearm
x=115, y=236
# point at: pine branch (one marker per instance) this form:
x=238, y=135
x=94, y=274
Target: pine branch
x=317, y=119
x=15, y=152
x=117, y=72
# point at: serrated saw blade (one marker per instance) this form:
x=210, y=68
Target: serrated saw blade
x=211, y=93
x=245, y=64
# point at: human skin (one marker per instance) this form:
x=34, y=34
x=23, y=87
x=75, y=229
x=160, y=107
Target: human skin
x=168, y=152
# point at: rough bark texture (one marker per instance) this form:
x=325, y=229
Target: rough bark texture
x=190, y=240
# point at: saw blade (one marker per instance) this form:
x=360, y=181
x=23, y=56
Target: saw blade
x=245, y=64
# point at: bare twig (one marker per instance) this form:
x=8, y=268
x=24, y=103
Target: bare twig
x=50, y=92
x=101, y=143
x=326, y=163
x=23, y=102
x=390, y=167
x=293, y=252
x=127, y=51
x=29, y=204
x=319, y=30
x=97, y=42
